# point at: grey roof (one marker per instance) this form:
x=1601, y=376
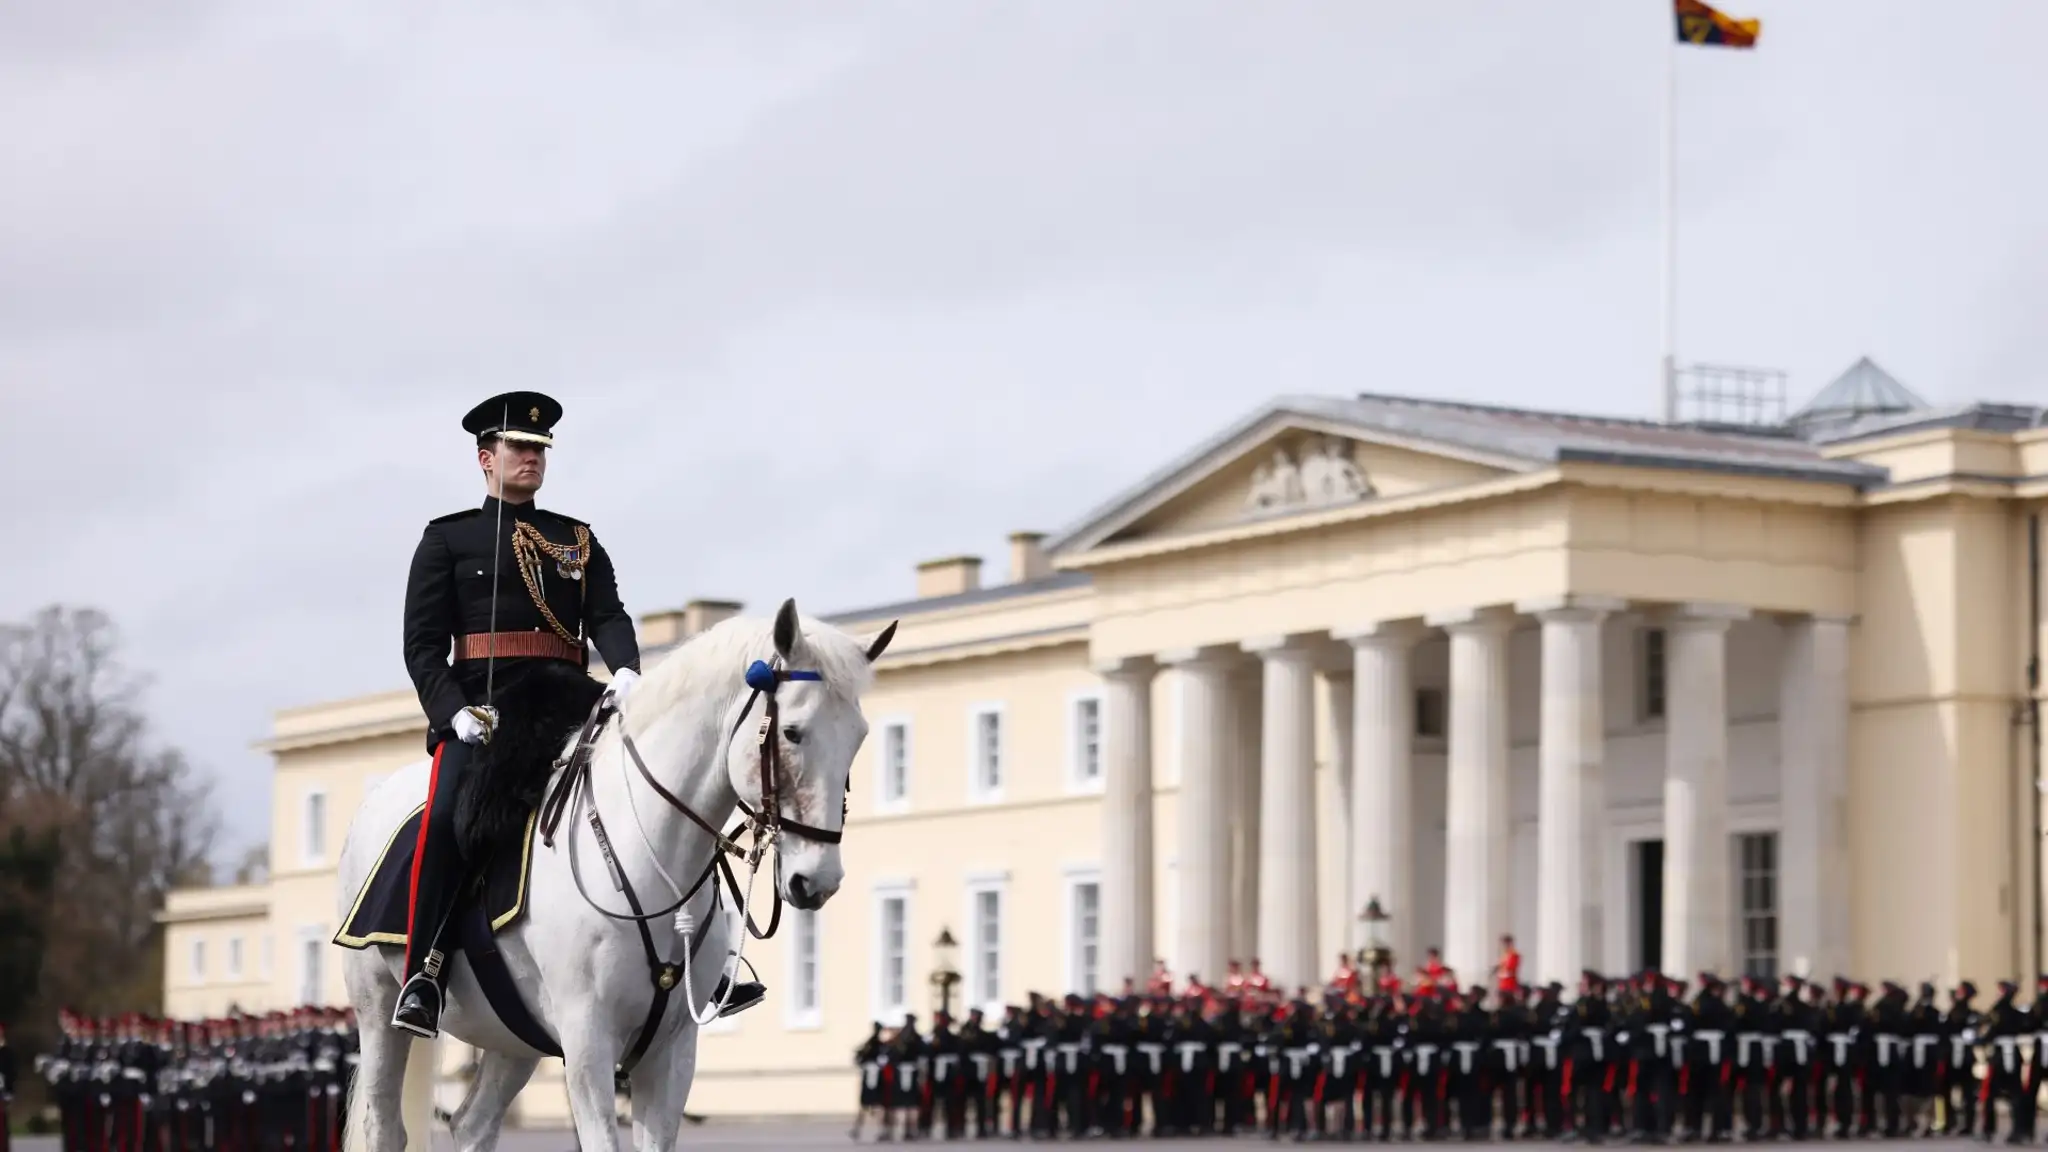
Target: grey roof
x=1058, y=581
x=1522, y=438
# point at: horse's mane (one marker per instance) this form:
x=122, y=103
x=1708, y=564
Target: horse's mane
x=712, y=664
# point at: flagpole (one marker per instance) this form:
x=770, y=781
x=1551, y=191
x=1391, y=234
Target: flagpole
x=1669, y=304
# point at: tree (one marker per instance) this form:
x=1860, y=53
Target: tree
x=96, y=825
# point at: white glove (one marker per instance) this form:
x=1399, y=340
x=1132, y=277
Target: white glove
x=474, y=725
x=622, y=682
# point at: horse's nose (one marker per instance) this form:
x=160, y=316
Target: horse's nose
x=801, y=894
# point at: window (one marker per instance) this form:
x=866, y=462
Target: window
x=892, y=952
x=802, y=1009
x=1429, y=713
x=313, y=837
x=234, y=958
x=986, y=752
x=312, y=951
x=893, y=779
x=1084, y=742
x=1651, y=676
x=1084, y=933
x=1757, y=853
x=985, y=945
x=199, y=961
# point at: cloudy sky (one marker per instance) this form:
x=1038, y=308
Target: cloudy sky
x=831, y=288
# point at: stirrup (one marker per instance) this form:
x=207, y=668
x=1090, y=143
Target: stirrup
x=429, y=988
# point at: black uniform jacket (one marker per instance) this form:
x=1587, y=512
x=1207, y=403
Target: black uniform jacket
x=448, y=594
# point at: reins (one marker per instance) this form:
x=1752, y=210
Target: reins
x=573, y=788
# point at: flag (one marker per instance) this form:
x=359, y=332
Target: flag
x=1699, y=24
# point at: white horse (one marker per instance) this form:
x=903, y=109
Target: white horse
x=584, y=974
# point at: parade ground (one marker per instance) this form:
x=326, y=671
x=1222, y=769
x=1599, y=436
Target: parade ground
x=731, y=1135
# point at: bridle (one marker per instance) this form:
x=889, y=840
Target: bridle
x=767, y=826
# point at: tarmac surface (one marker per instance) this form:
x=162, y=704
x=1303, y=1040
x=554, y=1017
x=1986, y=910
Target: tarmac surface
x=749, y=1135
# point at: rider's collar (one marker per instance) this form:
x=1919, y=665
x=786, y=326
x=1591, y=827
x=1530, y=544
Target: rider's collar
x=490, y=504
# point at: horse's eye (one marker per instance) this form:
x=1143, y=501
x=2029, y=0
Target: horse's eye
x=792, y=733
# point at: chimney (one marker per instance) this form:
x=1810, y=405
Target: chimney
x=1027, y=557
x=675, y=625
x=948, y=576
x=703, y=615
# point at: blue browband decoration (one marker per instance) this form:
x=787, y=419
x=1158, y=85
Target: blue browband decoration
x=762, y=678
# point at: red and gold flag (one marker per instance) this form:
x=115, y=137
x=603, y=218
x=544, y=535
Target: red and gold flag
x=1700, y=24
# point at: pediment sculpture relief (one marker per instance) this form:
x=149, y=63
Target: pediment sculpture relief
x=1325, y=476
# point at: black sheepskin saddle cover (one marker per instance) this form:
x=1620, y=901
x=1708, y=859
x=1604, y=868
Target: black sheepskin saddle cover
x=538, y=712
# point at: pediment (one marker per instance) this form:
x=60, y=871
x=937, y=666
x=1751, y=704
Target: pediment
x=1281, y=465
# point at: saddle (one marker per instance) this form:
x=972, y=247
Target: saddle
x=496, y=816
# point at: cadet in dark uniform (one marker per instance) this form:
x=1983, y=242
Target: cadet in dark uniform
x=515, y=592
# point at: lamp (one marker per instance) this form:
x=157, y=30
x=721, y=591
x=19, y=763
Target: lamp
x=944, y=975
x=1378, y=957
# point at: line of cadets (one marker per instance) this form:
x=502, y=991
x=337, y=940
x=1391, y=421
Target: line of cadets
x=1632, y=1058
x=270, y=1083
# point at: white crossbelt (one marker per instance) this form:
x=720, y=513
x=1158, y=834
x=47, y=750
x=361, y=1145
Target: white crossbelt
x=1009, y=1056
x=1188, y=1050
x=1885, y=1044
x=942, y=1065
x=1386, y=1054
x=983, y=1064
x=1424, y=1053
x=1841, y=1041
x=2008, y=1047
x=906, y=1075
x=1599, y=1053
x=1116, y=1054
x=1658, y=1034
x=1712, y=1038
x=1073, y=1054
x=1549, y=1045
x=1800, y=1038
x=1466, y=1049
x=1920, y=1044
x=1226, y=1055
x=1031, y=1048
x=1296, y=1057
x=870, y=1073
x=1512, y=1049
x=1152, y=1054
x=1959, y=1049
x=1339, y=1058
x=1745, y=1042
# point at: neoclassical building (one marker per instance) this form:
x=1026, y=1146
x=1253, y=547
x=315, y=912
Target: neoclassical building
x=1678, y=696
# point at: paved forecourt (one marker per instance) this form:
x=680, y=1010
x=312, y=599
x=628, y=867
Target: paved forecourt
x=734, y=1135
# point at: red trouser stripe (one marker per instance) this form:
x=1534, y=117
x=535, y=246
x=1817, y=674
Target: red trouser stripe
x=419, y=853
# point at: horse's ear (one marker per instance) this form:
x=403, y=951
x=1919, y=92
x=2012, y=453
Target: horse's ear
x=880, y=643
x=786, y=631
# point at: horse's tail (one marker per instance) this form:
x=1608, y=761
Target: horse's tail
x=415, y=1103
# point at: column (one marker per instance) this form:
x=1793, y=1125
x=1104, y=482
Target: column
x=1476, y=838
x=1337, y=685
x=1382, y=775
x=1241, y=796
x=1127, y=905
x=1813, y=845
x=1696, y=848
x=1571, y=833
x=1287, y=812
x=1203, y=852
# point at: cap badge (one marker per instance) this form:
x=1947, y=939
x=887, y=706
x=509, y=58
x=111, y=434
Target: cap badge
x=533, y=414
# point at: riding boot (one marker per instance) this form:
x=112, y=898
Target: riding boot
x=436, y=873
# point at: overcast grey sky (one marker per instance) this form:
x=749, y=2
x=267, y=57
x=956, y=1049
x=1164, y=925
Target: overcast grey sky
x=831, y=288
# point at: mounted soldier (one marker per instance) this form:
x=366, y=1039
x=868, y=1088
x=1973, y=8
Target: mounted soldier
x=519, y=594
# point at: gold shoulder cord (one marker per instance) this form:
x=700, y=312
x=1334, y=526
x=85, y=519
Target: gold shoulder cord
x=528, y=546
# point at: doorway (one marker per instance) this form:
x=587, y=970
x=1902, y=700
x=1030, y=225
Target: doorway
x=1648, y=885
